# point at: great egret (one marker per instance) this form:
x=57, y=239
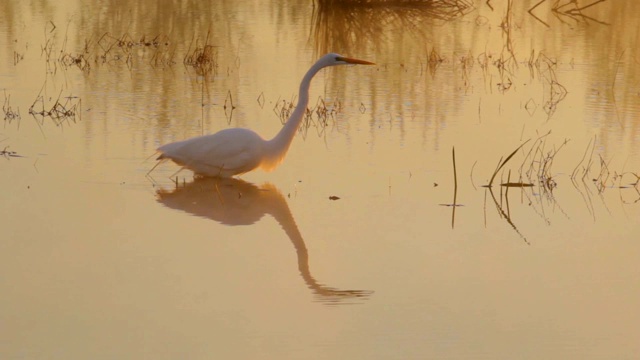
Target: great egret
x=236, y=151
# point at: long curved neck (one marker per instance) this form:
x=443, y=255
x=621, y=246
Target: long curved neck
x=278, y=146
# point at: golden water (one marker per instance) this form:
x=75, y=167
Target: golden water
x=351, y=248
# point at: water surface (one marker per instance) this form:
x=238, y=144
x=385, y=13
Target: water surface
x=352, y=248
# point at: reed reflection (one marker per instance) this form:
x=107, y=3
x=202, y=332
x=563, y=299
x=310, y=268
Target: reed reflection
x=354, y=24
x=237, y=202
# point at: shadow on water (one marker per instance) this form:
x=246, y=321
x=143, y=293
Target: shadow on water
x=237, y=202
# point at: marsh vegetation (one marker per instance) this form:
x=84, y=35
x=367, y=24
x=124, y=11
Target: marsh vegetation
x=485, y=174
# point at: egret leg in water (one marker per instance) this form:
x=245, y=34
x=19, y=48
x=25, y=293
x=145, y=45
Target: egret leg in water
x=236, y=151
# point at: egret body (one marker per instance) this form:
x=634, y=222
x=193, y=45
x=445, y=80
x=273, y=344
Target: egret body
x=236, y=151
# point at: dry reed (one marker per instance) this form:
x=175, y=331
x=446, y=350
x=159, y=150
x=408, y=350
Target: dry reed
x=203, y=57
x=8, y=153
x=63, y=109
x=9, y=114
x=569, y=10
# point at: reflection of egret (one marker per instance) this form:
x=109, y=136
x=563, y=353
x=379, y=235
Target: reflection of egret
x=236, y=151
x=237, y=202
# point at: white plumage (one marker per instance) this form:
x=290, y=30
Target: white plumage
x=236, y=151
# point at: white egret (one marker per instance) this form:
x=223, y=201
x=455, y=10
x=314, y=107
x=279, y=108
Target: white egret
x=236, y=151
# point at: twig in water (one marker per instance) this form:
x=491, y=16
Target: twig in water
x=503, y=163
x=455, y=187
x=530, y=11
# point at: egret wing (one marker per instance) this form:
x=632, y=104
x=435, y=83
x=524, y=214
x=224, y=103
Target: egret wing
x=232, y=151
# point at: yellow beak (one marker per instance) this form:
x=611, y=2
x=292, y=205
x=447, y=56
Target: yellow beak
x=355, y=61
